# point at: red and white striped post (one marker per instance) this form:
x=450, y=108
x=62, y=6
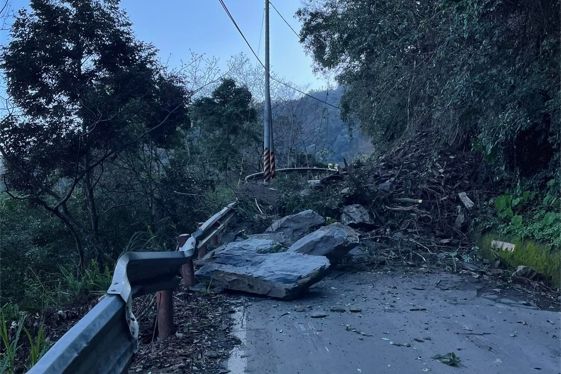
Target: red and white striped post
x=268, y=148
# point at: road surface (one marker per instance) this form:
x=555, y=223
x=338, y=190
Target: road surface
x=399, y=322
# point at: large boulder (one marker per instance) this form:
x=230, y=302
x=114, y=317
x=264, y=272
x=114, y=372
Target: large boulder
x=355, y=215
x=333, y=241
x=278, y=275
x=254, y=243
x=291, y=228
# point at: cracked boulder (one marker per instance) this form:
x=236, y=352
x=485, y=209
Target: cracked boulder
x=333, y=241
x=255, y=244
x=278, y=275
x=289, y=229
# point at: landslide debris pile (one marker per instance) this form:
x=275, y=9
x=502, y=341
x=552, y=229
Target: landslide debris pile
x=417, y=195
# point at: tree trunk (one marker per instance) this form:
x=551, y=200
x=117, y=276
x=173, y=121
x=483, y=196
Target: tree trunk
x=92, y=211
x=67, y=221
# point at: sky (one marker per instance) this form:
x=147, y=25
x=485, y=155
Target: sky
x=178, y=27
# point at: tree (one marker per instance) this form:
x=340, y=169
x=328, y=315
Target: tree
x=483, y=73
x=85, y=91
x=227, y=126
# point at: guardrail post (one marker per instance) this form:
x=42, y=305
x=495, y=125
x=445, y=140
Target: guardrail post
x=164, y=299
x=164, y=303
x=187, y=270
x=212, y=244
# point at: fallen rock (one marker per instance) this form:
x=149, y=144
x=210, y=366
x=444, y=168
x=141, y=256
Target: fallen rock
x=254, y=243
x=503, y=246
x=358, y=255
x=314, y=183
x=318, y=315
x=526, y=272
x=282, y=275
x=332, y=241
x=386, y=186
x=355, y=216
x=468, y=203
x=337, y=309
x=460, y=218
x=291, y=228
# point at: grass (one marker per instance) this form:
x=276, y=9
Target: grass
x=38, y=345
x=12, y=325
x=10, y=334
x=92, y=281
x=540, y=257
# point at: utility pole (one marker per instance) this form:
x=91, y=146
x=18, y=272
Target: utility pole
x=268, y=147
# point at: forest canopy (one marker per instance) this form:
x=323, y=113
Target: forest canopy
x=483, y=74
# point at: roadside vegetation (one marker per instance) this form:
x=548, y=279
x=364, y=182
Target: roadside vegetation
x=480, y=76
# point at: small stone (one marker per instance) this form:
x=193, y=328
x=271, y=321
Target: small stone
x=318, y=315
x=212, y=354
x=526, y=272
x=355, y=216
x=355, y=309
x=338, y=309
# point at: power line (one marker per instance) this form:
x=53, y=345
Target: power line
x=261, y=31
x=239, y=30
x=284, y=19
x=225, y=7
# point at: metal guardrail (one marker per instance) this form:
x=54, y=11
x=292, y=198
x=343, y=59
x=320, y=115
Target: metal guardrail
x=105, y=339
x=292, y=170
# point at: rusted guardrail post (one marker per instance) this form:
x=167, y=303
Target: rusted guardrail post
x=187, y=270
x=212, y=244
x=164, y=299
x=164, y=303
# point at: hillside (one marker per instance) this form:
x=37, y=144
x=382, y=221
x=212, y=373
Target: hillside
x=309, y=127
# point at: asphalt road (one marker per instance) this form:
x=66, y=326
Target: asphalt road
x=400, y=322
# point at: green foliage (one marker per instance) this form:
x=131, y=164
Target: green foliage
x=483, y=72
x=10, y=337
x=542, y=258
x=503, y=205
x=88, y=93
x=91, y=282
x=38, y=345
x=532, y=221
x=296, y=195
x=12, y=324
x=227, y=126
x=31, y=243
x=525, y=214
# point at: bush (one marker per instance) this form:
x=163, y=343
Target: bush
x=525, y=214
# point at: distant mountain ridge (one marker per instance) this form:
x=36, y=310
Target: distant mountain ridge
x=308, y=126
